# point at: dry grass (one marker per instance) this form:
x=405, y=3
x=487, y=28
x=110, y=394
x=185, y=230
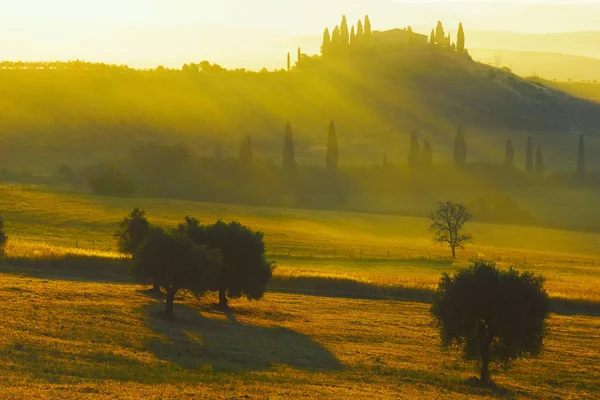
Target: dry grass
x=65, y=339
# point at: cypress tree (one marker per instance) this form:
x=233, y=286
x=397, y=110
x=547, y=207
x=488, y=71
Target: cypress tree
x=414, y=154
x=368, y=33
x=529, y=157
x=352, y=36
x=246, y=154
x=460, y=39
x=460, y=149
x=344, y=34
x=411, y=35
x=581, y=158
x=289, y=160
x=509, y=156
x=299, y=56
x=427, y=156
x=326, y=46
x=332, y=149
x=336, y=40
x=539, y=163
x=432, y=37
x=440, y=36
x=289, y=62
x=360, y=33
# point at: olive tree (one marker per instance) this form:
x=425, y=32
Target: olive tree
x=496, y=316
x=132, y=231
x=245, y=270
x=447, y=224
x=176, y=263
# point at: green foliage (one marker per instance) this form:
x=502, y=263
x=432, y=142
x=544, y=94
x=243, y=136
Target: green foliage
x=3, y=238
x=460, y=39
x=460, y=149
x=495, y=316
x=132, y=231
x=174, y=262
x=245, y=270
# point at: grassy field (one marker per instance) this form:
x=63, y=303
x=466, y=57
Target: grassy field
x=333, y=324
x=74, y=339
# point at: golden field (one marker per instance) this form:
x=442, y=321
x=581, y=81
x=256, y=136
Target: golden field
x=332, y=325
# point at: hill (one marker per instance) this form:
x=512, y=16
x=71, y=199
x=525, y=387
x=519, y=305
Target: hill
x=83, y=113
x=562, y=67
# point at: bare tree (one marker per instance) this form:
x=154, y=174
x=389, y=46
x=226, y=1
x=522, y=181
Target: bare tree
x=447, y=223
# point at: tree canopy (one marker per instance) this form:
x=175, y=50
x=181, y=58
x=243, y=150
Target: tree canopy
x=447, y=224
x=494, y=315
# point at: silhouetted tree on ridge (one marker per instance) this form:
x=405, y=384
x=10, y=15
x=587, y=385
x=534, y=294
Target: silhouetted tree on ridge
x=432, y=37
x=440, y=35
x=326, y=46
x=359, y=32
x=368, y=34
x=289, y=62
x=460, y=149
x=344, y=32
x=460, y=39
x=352, y=36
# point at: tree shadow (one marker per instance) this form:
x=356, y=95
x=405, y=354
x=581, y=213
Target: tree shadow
x=219, y=342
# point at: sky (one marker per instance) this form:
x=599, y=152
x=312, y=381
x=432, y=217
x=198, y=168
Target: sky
x=145, y=33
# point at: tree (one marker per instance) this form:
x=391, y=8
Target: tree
x=111, y=182
x=344, y=33
x=447, y=224
x=289, y=162
x=245, y=270
x=539, y=163
x=460, y=149
x=246, y=154
x=460, y=39
x=289, y=62
x=427, y=156
x=299, y=57
x=440, y=36
x=326, y=46
x=414, y=154
x=432, y=37
x=368, y=34
x=529, y=157
x=336, y=40
x=332, y=149
x=3, y=238
x=496, y=316
x=581, y=158
x=175, y=263
x=352, y=36
x=509, y=156
x=360, y=33
x=132, y=231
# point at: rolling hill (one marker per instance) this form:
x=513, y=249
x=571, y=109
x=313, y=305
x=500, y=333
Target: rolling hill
x=85, y=113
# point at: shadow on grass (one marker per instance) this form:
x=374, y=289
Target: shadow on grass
x=193, y=340
x=350, y=288
x=70, y=267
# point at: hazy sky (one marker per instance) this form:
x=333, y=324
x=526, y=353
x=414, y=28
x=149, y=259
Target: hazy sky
x=170, y=32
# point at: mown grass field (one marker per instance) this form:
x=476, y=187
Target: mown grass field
x=333, y=324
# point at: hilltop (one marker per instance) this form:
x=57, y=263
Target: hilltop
x=81, y=113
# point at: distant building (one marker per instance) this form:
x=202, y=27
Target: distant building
x=398, y=36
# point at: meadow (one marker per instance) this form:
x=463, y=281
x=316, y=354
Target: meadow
x=342, y=318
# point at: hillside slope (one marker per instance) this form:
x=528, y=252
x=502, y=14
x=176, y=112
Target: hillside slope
x=49, y=116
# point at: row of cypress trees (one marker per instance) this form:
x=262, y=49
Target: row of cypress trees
x=341, y=37
x=438, y=37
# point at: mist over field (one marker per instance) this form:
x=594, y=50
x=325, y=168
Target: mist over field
x=263, y=200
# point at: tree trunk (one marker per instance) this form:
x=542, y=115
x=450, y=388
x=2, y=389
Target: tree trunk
x=222, y=298
x=155, y=286
x=484, y=375
x=453, y=252
x=169, y=302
